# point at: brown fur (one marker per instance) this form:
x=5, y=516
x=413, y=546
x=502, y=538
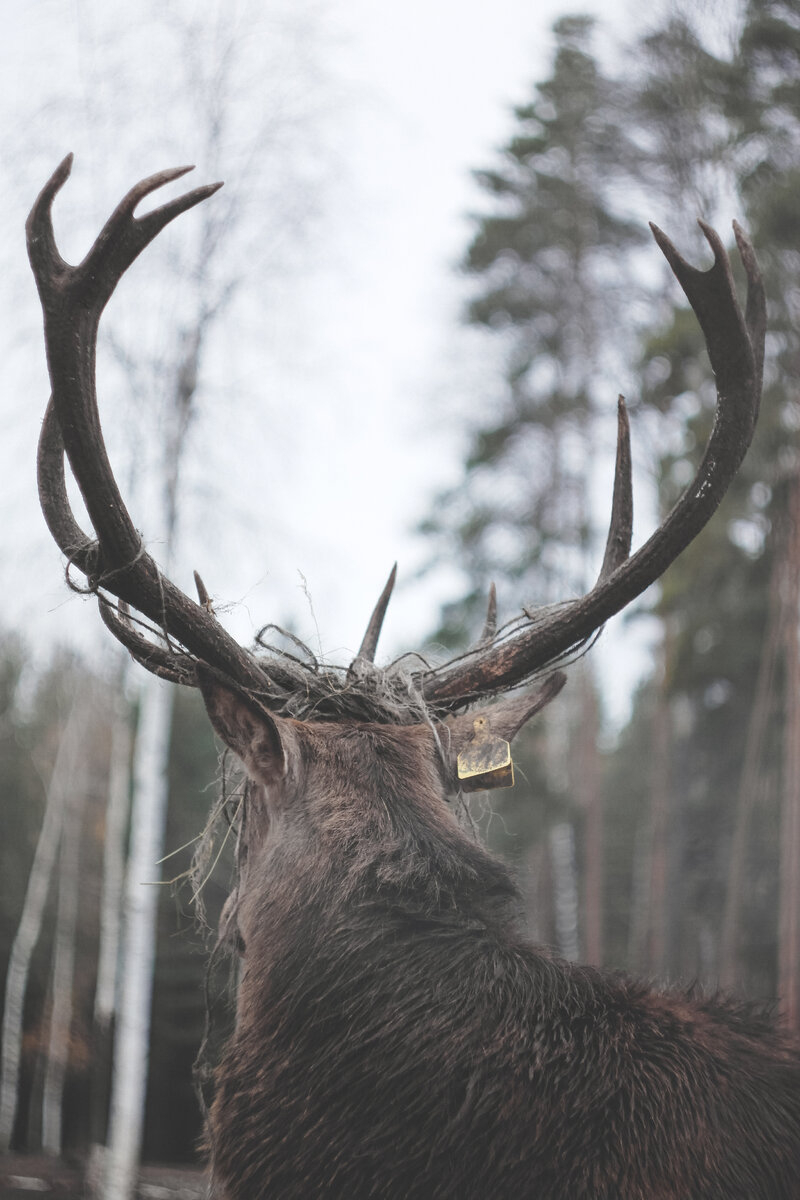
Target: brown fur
x=397, y=1037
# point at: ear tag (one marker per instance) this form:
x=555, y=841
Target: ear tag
x=486, y=761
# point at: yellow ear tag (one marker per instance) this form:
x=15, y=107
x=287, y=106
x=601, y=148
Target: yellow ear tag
x=486, y=761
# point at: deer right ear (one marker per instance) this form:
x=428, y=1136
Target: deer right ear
x=246, y=728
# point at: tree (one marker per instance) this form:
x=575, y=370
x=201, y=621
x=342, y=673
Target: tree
x=64, y=951
x=767, y=114
x=115, y=836
x=548, y=261
x=710, y=124
x=712, y=606
x=687, y=145
x=62, y=733
x=725, y=660
x=553, y=289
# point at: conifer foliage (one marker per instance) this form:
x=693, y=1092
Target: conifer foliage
x=547, y=266
x=701, y=824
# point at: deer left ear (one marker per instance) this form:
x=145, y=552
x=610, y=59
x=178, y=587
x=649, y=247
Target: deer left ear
x=248, y=729
x=500, y=722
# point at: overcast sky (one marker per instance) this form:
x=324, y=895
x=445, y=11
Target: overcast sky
x=424, y=93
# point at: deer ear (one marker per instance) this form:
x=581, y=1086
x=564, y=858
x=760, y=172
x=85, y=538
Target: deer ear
x=506, y=718
x=246, y=728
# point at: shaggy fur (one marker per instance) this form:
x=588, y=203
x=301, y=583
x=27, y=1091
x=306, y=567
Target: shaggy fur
x=396, y=1038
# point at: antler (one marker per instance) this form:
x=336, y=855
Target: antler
x=73, y=298
x=735, y=345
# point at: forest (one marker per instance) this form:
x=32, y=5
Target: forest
x=667, y=846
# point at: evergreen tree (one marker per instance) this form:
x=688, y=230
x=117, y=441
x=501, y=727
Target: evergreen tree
x=766, y=111
x=547, y=262
x=709, y=119
x=681, y=116
x=712, y=604
x=552, y=287
x=698, y=125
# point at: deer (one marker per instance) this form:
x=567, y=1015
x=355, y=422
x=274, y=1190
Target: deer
x=396, y=1035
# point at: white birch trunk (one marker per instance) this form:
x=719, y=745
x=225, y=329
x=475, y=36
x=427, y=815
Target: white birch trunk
x=64, y=959
x=129, y=1081
x=108, y=957
x=30, y=923
x=113, y=861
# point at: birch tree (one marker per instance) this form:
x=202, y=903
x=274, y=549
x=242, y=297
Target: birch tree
x=113, y=882
x=139, y=925
x=64, y=954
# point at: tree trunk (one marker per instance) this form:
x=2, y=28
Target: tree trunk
x=119, y=782
x=659, y=827
x=590, y=795
x=105, y=997
x=639, y=919
x=64, y=958
x=30, y=923
x=565, y=889
x=538, y=892
x=561, y=837
x=129, y=1082
x=749, y=781
x=789, y=917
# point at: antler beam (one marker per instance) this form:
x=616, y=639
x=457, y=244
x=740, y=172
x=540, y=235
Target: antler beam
x=735, y=346
x=115, y=560
x=73, y=298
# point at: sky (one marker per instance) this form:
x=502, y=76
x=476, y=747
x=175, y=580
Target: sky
x=365, y=415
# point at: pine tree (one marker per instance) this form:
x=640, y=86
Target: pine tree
x=767, y=112
x=713, y=123
x=548, y=269
x=552, y=288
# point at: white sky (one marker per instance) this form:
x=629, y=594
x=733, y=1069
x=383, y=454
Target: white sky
x=375, y=430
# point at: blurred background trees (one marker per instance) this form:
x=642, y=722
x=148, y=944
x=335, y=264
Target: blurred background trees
x=666, y=845
x=685, y=831
x=34, y=730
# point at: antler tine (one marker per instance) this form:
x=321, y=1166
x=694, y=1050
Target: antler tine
x=736, y=348
x=202, y=594
x=176, y=667
x=119, y=243
x=65, y=530
x=72, y=300
x=369, y=645
x=620, y=529
x=490, y=624
x=39, y=227
x=755, y=313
